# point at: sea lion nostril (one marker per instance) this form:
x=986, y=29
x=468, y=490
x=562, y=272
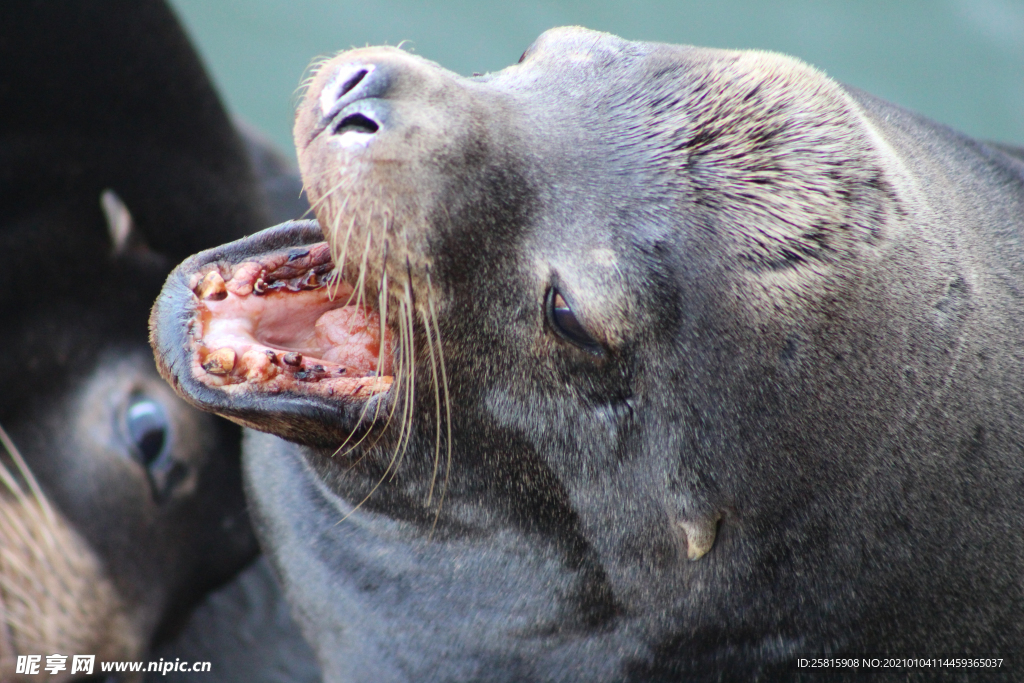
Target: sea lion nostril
x=352, y=82
x=341, y=90
x=358, y=123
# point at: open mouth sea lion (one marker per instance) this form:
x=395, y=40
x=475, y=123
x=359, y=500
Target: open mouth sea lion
x=631, y=361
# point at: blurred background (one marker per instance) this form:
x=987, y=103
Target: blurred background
x=960, y=62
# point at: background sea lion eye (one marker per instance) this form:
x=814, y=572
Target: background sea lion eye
x=147, y=426
x=150, y=439
x=566, y=325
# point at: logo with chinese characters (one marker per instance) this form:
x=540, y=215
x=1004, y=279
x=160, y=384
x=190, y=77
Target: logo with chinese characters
x=31, y=664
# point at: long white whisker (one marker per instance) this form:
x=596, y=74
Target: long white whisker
x=447, y=400
x=437, y=403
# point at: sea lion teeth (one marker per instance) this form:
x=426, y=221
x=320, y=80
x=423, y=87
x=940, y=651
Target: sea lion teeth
x=700, y=536
x=212, y=287
x=220, y=362
x=259, y=365
x=292, y=358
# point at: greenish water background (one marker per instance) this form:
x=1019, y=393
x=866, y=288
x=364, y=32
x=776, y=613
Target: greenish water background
x=960, y=62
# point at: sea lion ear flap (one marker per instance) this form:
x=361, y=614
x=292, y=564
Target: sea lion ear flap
x=126, y=242
x=120, y=225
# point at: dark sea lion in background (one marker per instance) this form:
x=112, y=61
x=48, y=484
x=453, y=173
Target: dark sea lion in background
x=116, y=161
x=694, y=361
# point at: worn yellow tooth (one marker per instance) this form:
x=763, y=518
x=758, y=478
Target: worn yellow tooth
x=212, y=287
x=700, y=535
x=220, y=362
x=292, y=358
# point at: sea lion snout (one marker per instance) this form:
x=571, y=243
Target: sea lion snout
x=355, y=94
x=374, y=133
x=350, y=102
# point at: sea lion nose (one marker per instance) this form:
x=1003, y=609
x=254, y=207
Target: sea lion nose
x=351, y=104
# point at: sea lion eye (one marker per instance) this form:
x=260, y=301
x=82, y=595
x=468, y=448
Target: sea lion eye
x=147, y=426
x=566, y=325
x=149, y=432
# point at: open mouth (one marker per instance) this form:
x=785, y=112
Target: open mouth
x=286, y=321
x=242, y=328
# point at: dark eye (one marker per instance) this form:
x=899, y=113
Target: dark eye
x=149, y=434
x=147, y=425
x=566, y=325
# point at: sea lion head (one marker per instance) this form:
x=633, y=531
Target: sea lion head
x=599, y=372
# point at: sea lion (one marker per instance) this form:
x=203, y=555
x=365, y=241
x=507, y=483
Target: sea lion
x=693, y=362
x=120, y=505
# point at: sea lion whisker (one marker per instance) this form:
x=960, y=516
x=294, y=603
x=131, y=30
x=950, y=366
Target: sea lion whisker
x=310, y=73
x=361, y=288
x=395, y=388
x=358, y=291
x=373, y=490
x=339, y=258
x=14, y=527
x=314, y=205
x=23, y=626
x=355, y=428
x=382, y=308
x=409, y=334
x=447, y=402
x=17, y=589
x=338, y=214
x=382, y=300
x=404, y=338
x=33, y=485
x=396, y=392
x=32, y=513
x=395, y=454
x=382, y=296
x=437, y=402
